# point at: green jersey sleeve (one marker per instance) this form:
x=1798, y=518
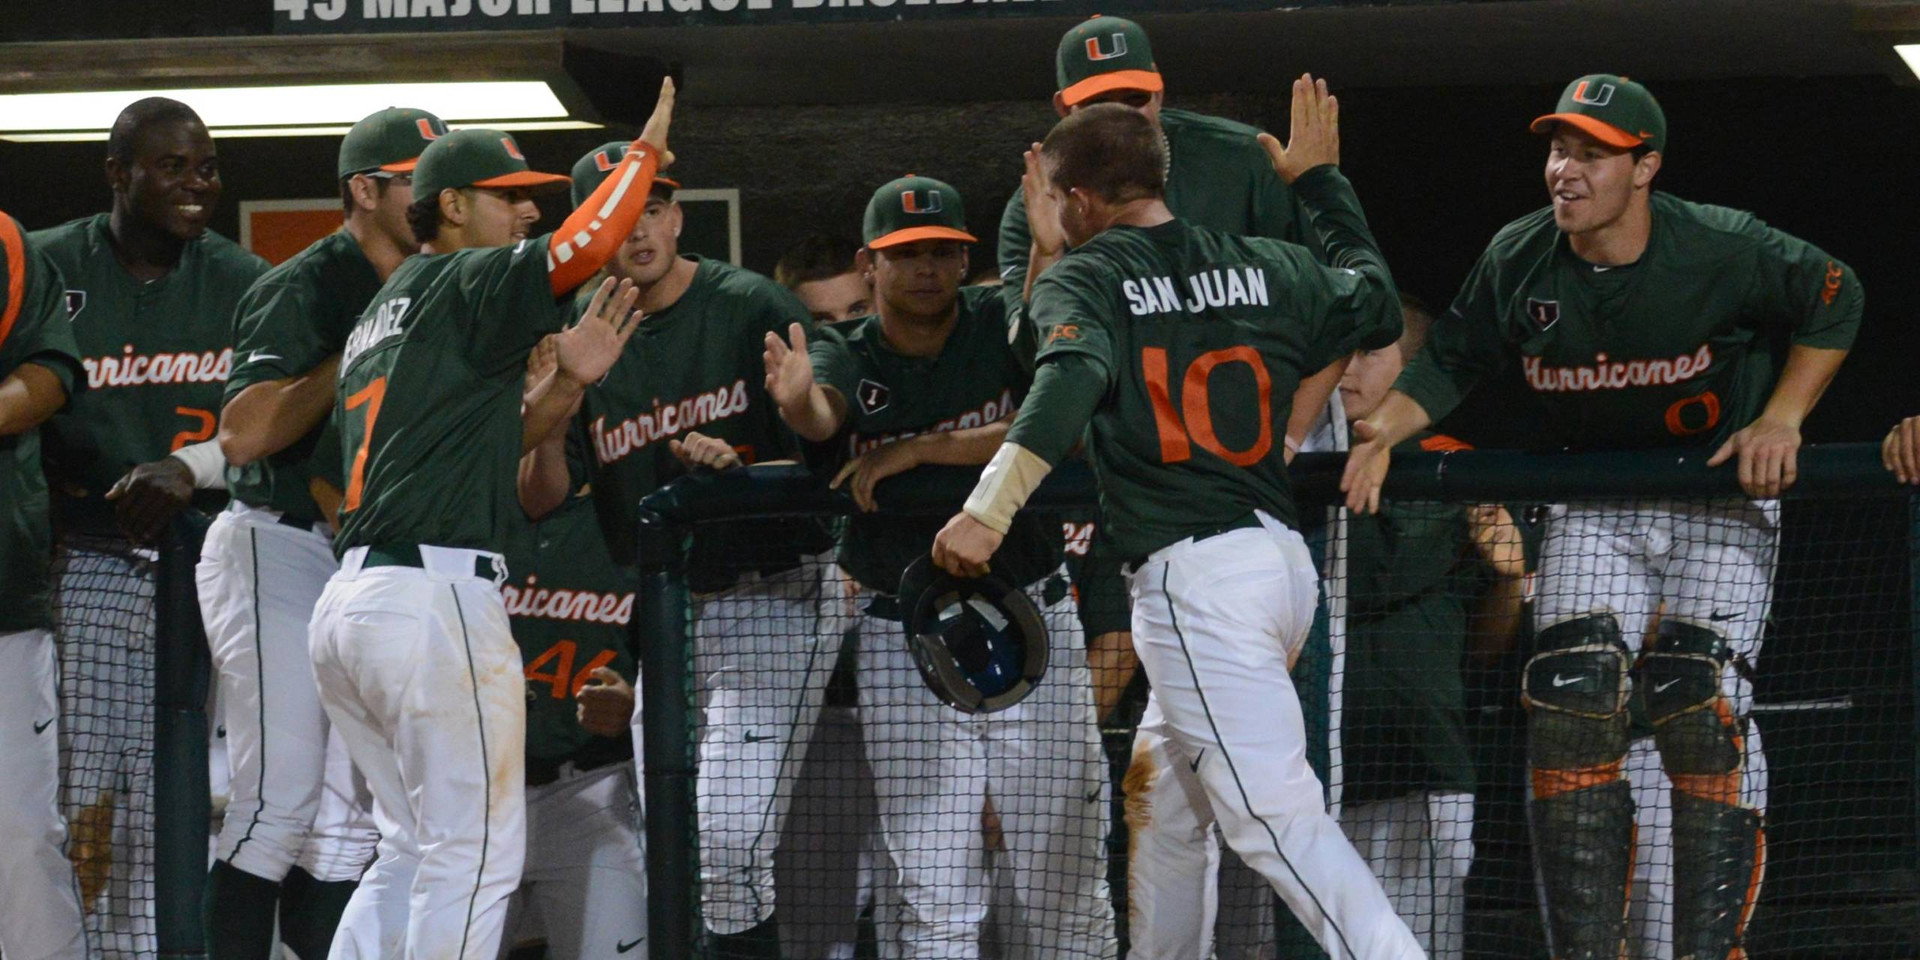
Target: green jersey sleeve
x=1812, y=294
x=1350, y=300
x=1465, y=346
x=1071, y=311
x=274, y=336
x=513, y=304
x=833, y=364
x=38, y=331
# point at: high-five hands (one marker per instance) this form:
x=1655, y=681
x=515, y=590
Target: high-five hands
x=1314, y=138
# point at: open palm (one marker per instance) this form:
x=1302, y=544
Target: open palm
x=588, y=349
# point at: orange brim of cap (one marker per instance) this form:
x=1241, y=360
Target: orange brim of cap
x=531, y=179
x=1606, y=133
x=659, y=182
x=1146, y=80
x=404, y=166
x=911, y=234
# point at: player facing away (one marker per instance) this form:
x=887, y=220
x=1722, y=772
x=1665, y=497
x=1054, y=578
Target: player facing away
x=583, y=891
x=150, y=292
x=410, y=640
x=1175, y=349
x=931, y=378
x=687, y=393
x=297, y=833
x=1642, y=321
x=39, y=369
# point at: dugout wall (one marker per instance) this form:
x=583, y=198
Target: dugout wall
x=1833, y=697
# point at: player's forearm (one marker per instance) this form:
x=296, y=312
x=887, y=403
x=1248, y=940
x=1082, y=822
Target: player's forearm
x=961, y=448
x=269, y=417
x=1807, y=374
x=546, y=408
x=1309, y=400
x=816, y=418
x=1038, y=261
x=543, y=478
x=28, y=396
x=1398, y=418
x=1495, y=621
x=593, y=233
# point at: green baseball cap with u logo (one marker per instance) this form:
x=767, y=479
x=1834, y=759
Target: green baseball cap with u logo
x=1612, y=109
x=915, y=208
x=1104, y=54
x=478, y=158
x=390, y=140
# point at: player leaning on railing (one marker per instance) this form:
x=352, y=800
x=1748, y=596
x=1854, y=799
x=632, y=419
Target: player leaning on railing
x=1147, y=329
x=1641, y=321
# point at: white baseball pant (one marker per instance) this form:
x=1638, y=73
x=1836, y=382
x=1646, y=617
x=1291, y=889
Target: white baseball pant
x=40, y=914
x=762, y=654
x=418, y=670
x=259, y=581
x=106, y=633
x=1215, y=622
x=1420, y=846
x=934, y=769
x=584, y=888
x=819, y=863
x=1650, y=903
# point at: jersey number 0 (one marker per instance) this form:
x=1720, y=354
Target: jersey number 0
x=1179, y=433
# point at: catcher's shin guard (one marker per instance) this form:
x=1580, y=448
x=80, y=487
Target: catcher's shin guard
x=1718, y=844
x=1581, y=812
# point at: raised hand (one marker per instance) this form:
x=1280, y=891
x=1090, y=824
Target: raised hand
x=1314, y=137
x=789, y=369
x=655, y=132
x=587, y=350
x=1043, y=214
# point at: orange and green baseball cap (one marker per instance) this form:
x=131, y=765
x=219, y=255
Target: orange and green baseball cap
x=1612, y=109
x=591, y=170
x=478, y=158
x=915, y=208
x=1103, y=54
x=390, y=140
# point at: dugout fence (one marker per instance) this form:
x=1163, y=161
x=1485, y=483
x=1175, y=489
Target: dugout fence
x=1425, y=616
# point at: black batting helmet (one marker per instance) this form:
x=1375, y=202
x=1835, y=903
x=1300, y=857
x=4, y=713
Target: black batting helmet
x=979, y=643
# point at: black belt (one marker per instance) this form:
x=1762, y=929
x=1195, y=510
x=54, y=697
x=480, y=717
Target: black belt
x=886, y=607
x=298, y=523
x=408, y=555
x=1244, y=522
x=543, y=772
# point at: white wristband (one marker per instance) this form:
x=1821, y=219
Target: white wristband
x=1005, y=485
x=207, y=463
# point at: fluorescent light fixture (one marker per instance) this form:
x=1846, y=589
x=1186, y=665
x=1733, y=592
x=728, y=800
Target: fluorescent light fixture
x=308, y=110
x=1910, y=52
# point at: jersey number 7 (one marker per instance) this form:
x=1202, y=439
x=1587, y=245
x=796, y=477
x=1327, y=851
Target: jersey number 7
x=1179, y=433
x=368, y=396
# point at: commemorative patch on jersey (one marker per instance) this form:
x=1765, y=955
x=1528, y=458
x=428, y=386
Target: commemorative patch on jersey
x=1544, y=313
x=76, y=302
x=874, y=396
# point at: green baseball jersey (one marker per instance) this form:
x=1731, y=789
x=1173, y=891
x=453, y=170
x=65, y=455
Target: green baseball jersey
x=291, y=319
x=975, y=380
x=1218, y=176
x=696, y=366
x=429, y=405
x=1410, y=578
x=1200, y=339
x=1679, y=349
x=157, y=357
x=570, y=605
x=33, y=329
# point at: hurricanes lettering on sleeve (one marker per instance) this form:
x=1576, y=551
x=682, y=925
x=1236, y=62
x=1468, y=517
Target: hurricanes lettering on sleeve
x=986, y=413
x=134, y=370
x=383, y=322
x=1615, y=375
x=1209, y=289
x=585, y=606
x=619, y=441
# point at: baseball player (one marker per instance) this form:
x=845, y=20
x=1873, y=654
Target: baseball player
x=39, y=369
x=1641, y=321
x=931, y=378
x=820, y=271
x=1412, y=572
x=266, y=559
x=1176, y=350
x=150, y=292
x=410, y=641
x=585, y=880
x=763, y=642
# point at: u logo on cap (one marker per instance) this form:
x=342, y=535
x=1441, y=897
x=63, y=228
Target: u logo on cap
x=427, y=132
x=1600, y=98
x=1119, y=48
x=911, y=202
x=513, y=149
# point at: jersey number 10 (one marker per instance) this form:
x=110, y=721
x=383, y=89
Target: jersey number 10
x=1179, y=433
